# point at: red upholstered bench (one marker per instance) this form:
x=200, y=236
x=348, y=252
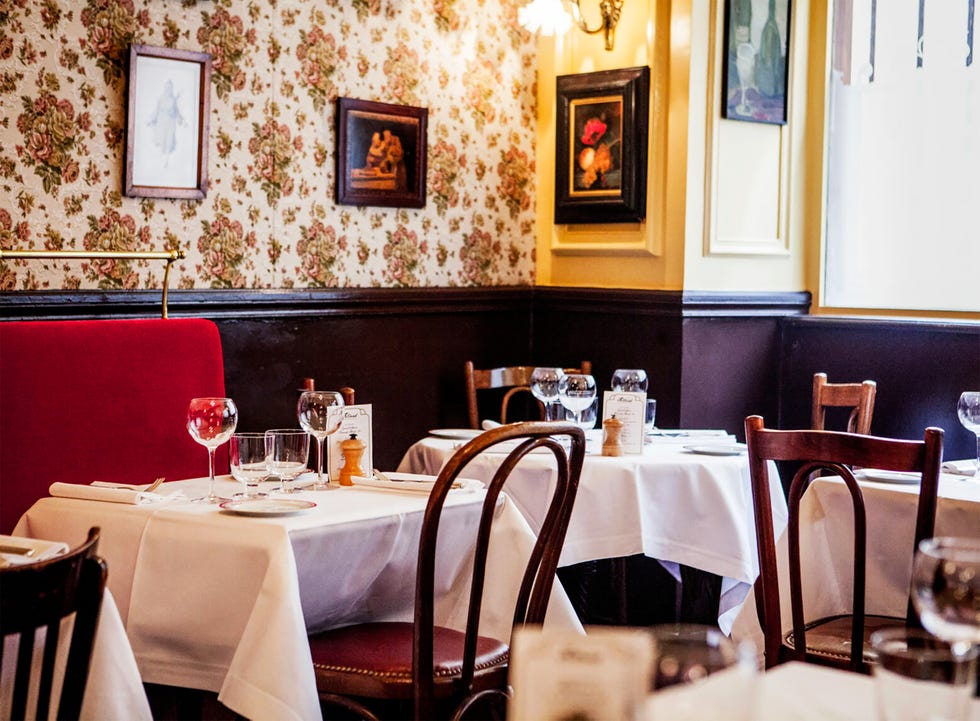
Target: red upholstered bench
x=101, y=400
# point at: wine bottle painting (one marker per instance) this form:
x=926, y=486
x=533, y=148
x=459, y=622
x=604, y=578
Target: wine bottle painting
x=756, y=60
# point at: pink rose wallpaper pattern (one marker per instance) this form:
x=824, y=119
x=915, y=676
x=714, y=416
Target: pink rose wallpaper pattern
x=269, y=219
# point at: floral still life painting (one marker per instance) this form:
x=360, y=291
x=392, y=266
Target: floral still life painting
x=598, y=146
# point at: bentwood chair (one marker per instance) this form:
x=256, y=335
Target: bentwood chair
x=511, y=379
x=436, y=669
x=859, y=397
x=41, y=595
x=840, y=641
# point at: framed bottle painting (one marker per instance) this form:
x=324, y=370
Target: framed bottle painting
x=756, y=65
x=601, y=146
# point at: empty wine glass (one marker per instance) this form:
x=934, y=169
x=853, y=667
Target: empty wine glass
x=968, y=410
x=629, y=379
x=946, y=590
x=289, y=449
x=576, y=392
x=313, y=411
x=589, y=415
x=248, y=458
x=211, y=421
x=544, y=387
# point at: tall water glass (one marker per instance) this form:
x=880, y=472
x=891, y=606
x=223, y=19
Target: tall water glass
x=576, y=392
x=249, y=462
x=289, y=449
x=211, y=421
x=313, y=412
x=946, y=589
x=629, y=379
x=968, y=410
x=544, y=387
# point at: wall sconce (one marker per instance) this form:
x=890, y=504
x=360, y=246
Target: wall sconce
x=550, y=18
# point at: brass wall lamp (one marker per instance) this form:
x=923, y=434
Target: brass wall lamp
x=550, y=18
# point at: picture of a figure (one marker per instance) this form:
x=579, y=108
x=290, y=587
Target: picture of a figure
x=166, y=117
x=383, y=164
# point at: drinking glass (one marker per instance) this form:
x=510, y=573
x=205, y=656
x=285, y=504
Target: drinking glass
x=650, y=417
x=629, y=379
x=313, y=411
x=289, y=449
x=576, y=392
x=249, y=461
x=211, y=421
x=544, y=387
x=589, y=416
x=946, y=590
x=968, y=409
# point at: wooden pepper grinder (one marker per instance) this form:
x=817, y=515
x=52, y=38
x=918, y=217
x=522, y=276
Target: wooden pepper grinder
x=352, y=449
x=611, y=428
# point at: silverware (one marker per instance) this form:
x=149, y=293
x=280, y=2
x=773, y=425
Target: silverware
x=155, y=485
x=382, y=477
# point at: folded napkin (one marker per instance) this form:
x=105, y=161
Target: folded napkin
x=17, y=550
x=960, y=468
x=100, y=493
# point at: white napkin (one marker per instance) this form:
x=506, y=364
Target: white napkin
x=960, y=468
x=17, y=550
x=98, y=493
x=489, y=425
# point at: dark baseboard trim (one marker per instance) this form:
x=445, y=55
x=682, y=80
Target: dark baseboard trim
x=681, y=304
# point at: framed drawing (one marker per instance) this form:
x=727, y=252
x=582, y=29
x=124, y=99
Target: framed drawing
x=756, y=64
x=601, y=146
x=381, y=154
x=167, y=123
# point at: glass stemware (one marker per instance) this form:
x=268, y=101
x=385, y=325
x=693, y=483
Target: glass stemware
x=968, y=410
x=248, y=458
x=211, y=422
x=946, y=590
x=313, y=411
x=544, y=387
x=629, y=379
x=289, y=449
x=576, y=392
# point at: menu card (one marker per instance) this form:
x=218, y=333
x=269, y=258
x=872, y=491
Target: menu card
x=559, y=675
x=630, y=408
x=355, y=419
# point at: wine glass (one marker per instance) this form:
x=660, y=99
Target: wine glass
x=590, y=414
x=946, y=590
x=211, y=421
x=313, y=411
x=629, y=379
x=249, y=461
x=968, y=409
x=576, y=392
x=544, y=387
x=288, y=449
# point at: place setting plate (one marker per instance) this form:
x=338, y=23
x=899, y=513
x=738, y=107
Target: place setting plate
x=717, y=449
x=880, y=476
x=456, y=434
x=267, y=506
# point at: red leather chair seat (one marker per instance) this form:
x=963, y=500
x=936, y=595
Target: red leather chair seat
x=375, y=660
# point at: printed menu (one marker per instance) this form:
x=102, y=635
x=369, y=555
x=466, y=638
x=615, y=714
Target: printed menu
x=354, y=420
x=630, y=408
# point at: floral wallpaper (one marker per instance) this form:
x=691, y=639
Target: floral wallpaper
x=269, y=219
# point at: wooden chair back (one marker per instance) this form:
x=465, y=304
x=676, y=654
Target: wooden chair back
x=539, y=574
x=514, y=379
x=859, y=397
x=836, y=453
x=39, y=596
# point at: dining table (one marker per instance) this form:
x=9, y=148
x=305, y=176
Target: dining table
x=222, y=600
x=686, y=500
x=826, y=539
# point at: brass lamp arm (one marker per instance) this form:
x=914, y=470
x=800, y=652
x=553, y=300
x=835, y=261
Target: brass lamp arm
x=610, y=11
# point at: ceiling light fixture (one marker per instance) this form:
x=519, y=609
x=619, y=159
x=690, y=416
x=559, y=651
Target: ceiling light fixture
x=550, y=18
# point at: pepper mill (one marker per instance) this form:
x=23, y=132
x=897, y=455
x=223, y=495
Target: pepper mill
x=352, y=449
x=611, y=428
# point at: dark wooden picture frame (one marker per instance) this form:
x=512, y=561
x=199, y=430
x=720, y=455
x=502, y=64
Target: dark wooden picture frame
x=601, y=146
x=169, y=103
x=755, y=76
x=381, y=153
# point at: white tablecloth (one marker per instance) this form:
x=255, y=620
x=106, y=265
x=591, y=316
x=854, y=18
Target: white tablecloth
x=224, y=602
x=826, y=540
x=668, y=504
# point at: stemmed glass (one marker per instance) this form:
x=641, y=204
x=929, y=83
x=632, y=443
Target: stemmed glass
x=313, y=411
x=544, y=387
x=968, y=409
x=629, y=379
x=211, y=421
x=946, y=590
x=576, y=392
x=288, y=449
x=248, y=458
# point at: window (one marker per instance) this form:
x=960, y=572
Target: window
x=903, y=193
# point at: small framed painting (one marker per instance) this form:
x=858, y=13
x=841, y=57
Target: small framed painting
x=381, y=154
x=601, y=146
x=756, y=65
x=167, y=123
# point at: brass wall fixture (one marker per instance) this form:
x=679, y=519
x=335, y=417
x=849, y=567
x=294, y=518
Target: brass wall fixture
x=549, y=17
x=610, y=11
x=166, y=255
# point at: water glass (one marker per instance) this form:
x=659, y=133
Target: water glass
x=544, y=387
x=248, y=456
x=589, y=416
x=650, y=417
x=289, y=449
x=968, y=411
x=629, y=379
x=920, y=678
x=577, y=391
